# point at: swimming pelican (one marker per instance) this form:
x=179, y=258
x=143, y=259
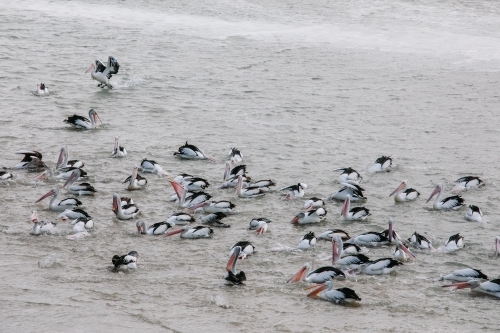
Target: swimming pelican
x=486, y=287
x=32, y=160
x=419, y=241
x=259, y=224
x=135, y=181
x=73, y=214
x=195, y=198
x=340, y=295
x=464, y=275
x=468, y=182
x=401, y=253
x=354, y=214
x=474, y=214
x=313, y=202
x=355, y=191
x=307, y=241
x=195, y=232
x=118, y=151
x=402, y=194
x=4, y=175
x=81, y=122
x=154, y=229
x=180, y=218
x=69, y=171
x=68, y=203
x=248, y=192
x=327, y=235
x=41, y=90
x=231, y=275
x=191, y=152
x=150, y=166
x=319, y=275
x=381, y=164
x=234, y=172
x=126, y=261
x=455, y=242
x=349, y=175
x=380, y=266
x=41, y=227
x=80, y=189
x=294, y=191
x=63, y=163
x=246, y=249
x=126, y=212
x=102, y=73
x=196, y=184
x=373, y=238
x=341, y=249
x=454, y=202
x=235, y=156
x=222, y=206
x=214, y=219
x=233, y=182
x=262, y=184
x=82, y=224
x=310, y=216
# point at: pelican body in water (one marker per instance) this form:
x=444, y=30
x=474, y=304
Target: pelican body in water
x=150, y=166
x=479, y=285
x=231, y=276
x=31, y=160
x=193, y=233
x=381, y=164
x=353, y=214
x=294, y=191
x=135, y=181
x=311, y=216
x=80, y=189
x=453, y=202
x=341, y=295
x=474, y=214
x=355, y=191
x=81, y=122
x=68, y=203
x=41, y=90
x=403, y=194
x=102, y=73
x=127, y=261
x=118, y=151
x=349, y=175
x=249, y=192
x=125, y=212
x=191, y=152
x=158, y=228
x=64, y=163
x=319, y=275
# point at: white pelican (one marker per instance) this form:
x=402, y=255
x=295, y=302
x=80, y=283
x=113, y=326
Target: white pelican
x=126, y=261
x=82, y=224
x=135, y=181
x=355, y=191
x=246, y=249
x=402, y=194
x=180, y=218
x=234, y=172
x=455, y=242
x=126, y=212
x=41, y=227
x=80, y=189
x=259, y=224
x=353, y=214
x=381, y=164
x=118, y=151
x=195, y=232
x=73, y=214
x=474, y=214
x=294, y=191
x=319, y=275
x=154, y=229
x=349, y=175
x=486, y=287
x=31, y=159
x=150, y=166
x=195, y=198
x=214, y=219
x=401, y=253
x=370, y=238
x=249, y=192
x=327, y=235
x=81, y=122
x=341, y=249
x=68, y=203
x=262, y=184
x=468, y=182
x=233, y=182
x=419, y=241
x=191, y=152
x=102, y=73
x=380, y=266
x=353, y=262
x=231, y=275
x=307, y=241
x=313, y=202
x=463, y=275
x=63, y=163
x=69, y=171
x=196, y=184
x=310, y=216
x=340, y=295
x=41, y=90
x=235, y=156
x=222, y=206
x=4, y=175
x=454, y=202
x=126, y=201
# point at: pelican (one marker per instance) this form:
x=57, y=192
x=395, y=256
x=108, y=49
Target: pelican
x=319, y=275
x=486, y=287
x=419, y=241
x=126, y=212
x=32, y=160
x=81, y=122
x=135, y=181
x=294, y=191
x=355, y=191
x=191, y=152
x=234, y=172
x=41, y=90
x=313, y=202
x=231, y=275
x=41, y=227
x=82, y=224
x=474, y=214
x=454, y=202
x=80, y=189
x=68, y=203
x=73, y=214
x=235, y=156
x=214, y=219
x=196, y=184
x=246, y=249
x=46, y=175
x=118, y=151
x=402, y=194
x=222, y=206
x=233, y=182
x=354, y=214
x=327, y=235
x=150, y=166
x=349, y=175
x=401, y=253
x=340, y=295
x=307, y=241
x=154, y=229
x=341, y=249
x=69, y=171
x=128, y=260
x=464, y=275
x=259, y=224
x=310, y=216
x=63, y=163
x=381, y=164
x=126, y=201
x=180, y=218
x=262, y=184
x=373, y=238
x=468, y=182
x=380, y=266
x=4, y=175
x=195, y=198
x=455, y=242
x=196, y=232
x=249, y=192
x=102, y=73
x=353, y=262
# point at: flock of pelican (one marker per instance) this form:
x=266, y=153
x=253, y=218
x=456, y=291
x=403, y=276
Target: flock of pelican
x=349, y=253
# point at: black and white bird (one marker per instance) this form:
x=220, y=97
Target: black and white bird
x=235, y=156
x=215, y=220
x=468, y=183
x=339, y=296
x=246, y=249
x=403, y=194
x=150, y=166
x=259, y=224
x=118, y=151
x=307, y=241
x=180, y=218
x=4, y=175
x=294, y=191
x=64, y=163
x=231, y=276
x=349, y=175
x=79, y=189
x=311, y=216
x=191, y=152
x=32, y=160
x=474, y=214
x=68, y=203
x=319, y=275
x=453, y=202
x=355, y=191
x=419, y=241
x=381, y=164
x=192, y=232
x=355, y=213
x=127, y=261
x=135, y=181
x=463, y=275
x=81, y=122
x=102, y=73
x=455, y=242
x=479, y=285
x=158, y=228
